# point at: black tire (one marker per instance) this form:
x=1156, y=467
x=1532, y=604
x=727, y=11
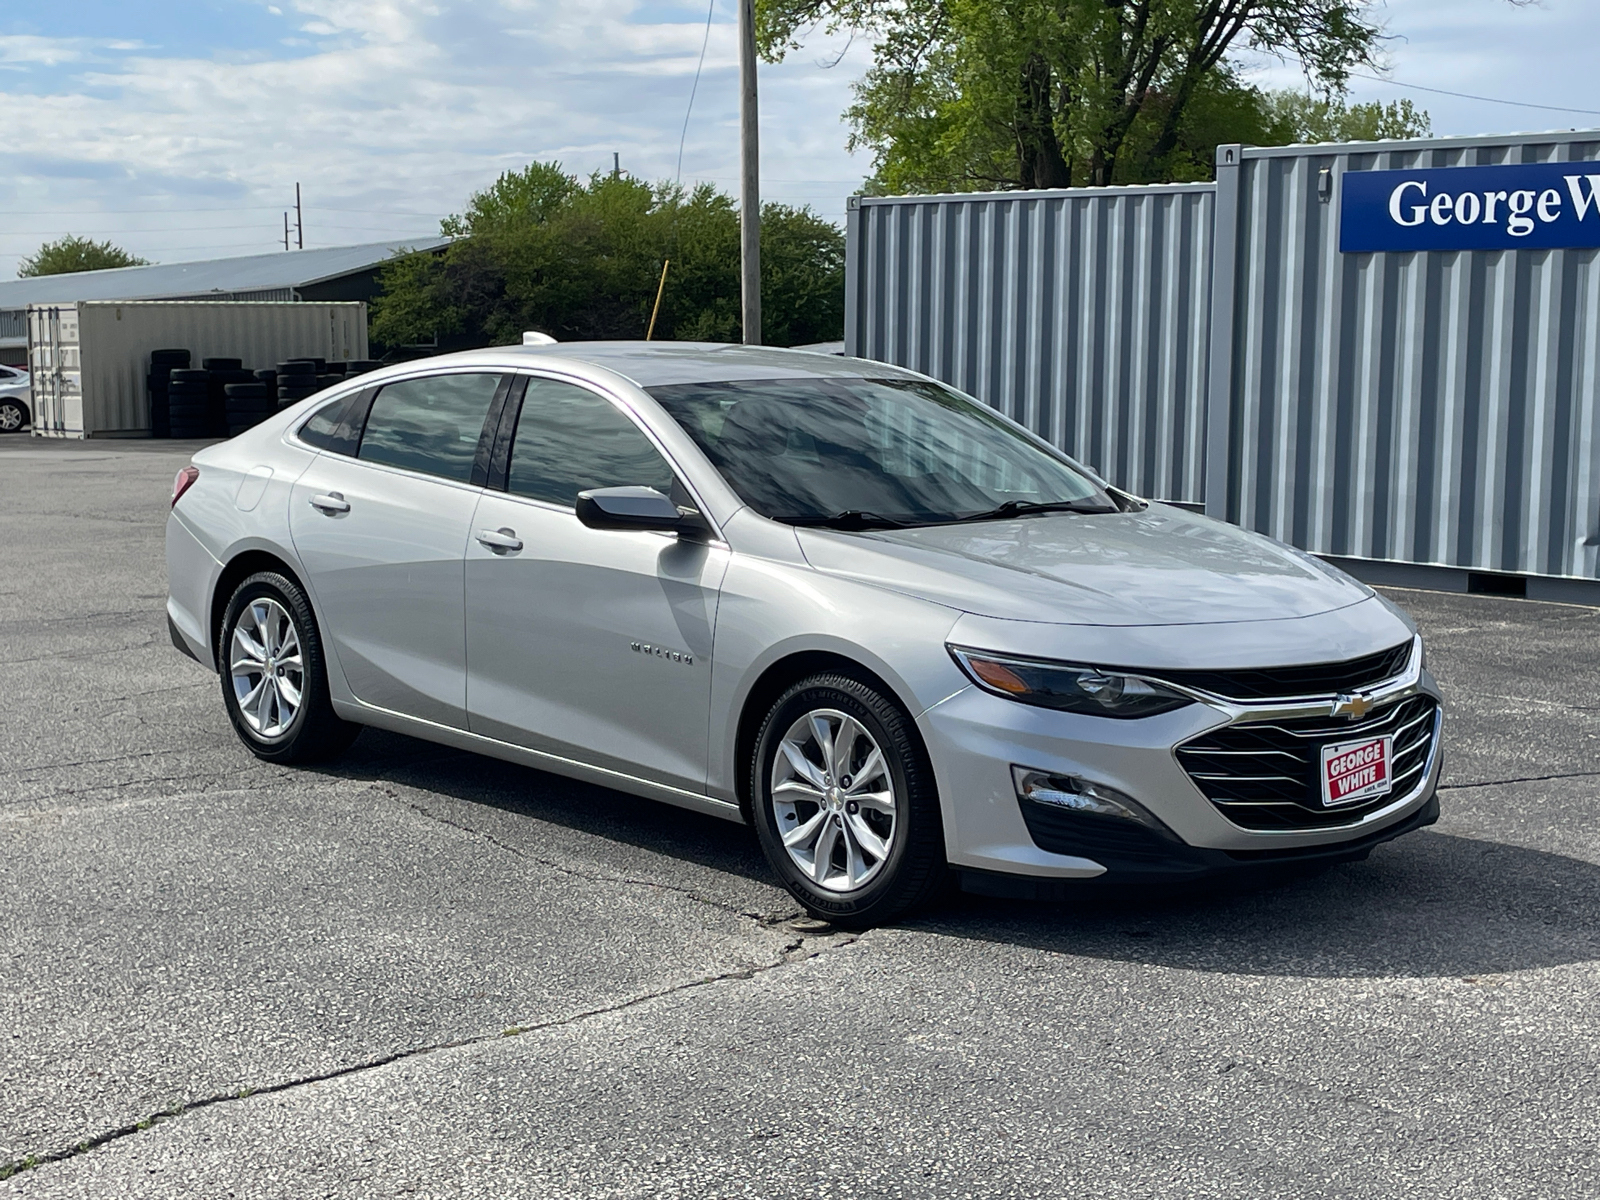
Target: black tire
x=315, y=732
x=913, y=872
x=13, y=415
x=297, y=366
x=244, y=391
x=169, y=358
x=221, y=364
x=189, y=375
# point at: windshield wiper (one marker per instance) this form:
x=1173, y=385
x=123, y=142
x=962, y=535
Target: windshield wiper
x=851, y=518
x=1023, y=508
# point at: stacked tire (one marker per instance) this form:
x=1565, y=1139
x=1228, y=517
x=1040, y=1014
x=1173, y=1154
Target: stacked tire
x=296, y=380
x=360, y=366
x=248, y=404
x=224, y=372
x=188, y=403
x=162, y=363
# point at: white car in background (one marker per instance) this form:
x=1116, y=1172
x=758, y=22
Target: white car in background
x=16, y=398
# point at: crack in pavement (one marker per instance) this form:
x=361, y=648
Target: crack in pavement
x=1458, y=787
x=764, y=920
x=793, y=952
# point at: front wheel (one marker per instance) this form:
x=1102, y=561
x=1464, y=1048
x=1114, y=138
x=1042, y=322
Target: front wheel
x=13, y=416
x=844, y=803
x=274, y=681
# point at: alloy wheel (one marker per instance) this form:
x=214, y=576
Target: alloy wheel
x=266, y=666
x=10, y=417
x=834, y=798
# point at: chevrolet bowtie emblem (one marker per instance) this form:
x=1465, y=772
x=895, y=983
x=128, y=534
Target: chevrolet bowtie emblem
x=1355, y=707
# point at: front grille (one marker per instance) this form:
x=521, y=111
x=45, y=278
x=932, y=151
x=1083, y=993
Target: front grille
x=1265, y=775
x=1316, y=679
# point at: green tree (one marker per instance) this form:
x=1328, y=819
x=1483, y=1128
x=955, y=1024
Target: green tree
x=1300, y=117
x=966, y=94
x=581, y=259
x=69, y=254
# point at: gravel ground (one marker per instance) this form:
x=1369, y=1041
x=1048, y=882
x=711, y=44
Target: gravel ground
x=422, y=973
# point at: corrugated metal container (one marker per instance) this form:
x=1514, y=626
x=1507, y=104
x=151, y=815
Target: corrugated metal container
x=1081, y=313
x=90, y=360
x=1432, y=407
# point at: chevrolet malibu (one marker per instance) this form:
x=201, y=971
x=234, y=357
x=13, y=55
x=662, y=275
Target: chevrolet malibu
x=899, y=634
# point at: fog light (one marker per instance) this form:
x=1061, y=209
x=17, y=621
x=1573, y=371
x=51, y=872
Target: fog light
x=1077, y=794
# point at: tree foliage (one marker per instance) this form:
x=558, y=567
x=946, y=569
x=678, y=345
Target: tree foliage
x=967, y=94
x=69, y=254
x=581, y=259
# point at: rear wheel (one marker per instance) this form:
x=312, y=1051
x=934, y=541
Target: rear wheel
x=274, y=679
x=845, y=805
x=13, y=416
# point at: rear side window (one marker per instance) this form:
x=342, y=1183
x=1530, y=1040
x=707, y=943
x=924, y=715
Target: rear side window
x=430, y=425
x=569, y=440
x=322, y=430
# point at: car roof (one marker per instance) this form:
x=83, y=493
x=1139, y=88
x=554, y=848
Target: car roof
x=657, y=364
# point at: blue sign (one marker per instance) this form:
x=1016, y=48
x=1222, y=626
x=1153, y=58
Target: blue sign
x=1537, y=206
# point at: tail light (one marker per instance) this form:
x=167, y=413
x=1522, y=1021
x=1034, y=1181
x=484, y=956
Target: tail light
x=184, y=481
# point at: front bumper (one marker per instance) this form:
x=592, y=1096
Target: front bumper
x=1198, y=864
x=975, y=738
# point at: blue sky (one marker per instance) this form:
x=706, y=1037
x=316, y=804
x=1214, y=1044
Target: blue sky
x=179, y=129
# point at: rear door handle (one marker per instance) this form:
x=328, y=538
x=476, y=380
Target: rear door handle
x=500, y=540
x=333, y=502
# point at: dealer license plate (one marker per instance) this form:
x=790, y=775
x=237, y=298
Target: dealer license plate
x=1356, y=771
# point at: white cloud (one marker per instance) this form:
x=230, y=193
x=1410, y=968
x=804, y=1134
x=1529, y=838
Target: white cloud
x=52, y=52
x=402, y=107
x=390, y=112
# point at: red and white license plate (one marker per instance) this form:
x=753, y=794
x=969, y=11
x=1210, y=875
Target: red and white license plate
x=1355, y=771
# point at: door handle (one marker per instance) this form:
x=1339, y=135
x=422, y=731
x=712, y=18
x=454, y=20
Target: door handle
x=333, y=502
x=501, y=541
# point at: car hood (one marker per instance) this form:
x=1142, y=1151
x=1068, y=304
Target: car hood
x=1161, y=566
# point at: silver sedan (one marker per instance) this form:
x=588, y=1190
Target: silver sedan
x=16, y=395
x=900, y=635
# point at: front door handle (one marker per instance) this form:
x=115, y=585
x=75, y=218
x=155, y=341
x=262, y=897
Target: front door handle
x=331, y=503
x=501, y=541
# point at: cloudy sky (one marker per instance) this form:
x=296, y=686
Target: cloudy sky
x=179, y=128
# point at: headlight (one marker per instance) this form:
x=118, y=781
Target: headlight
x=1068, y=688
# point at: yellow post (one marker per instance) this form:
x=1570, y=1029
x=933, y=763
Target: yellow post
x=656, y=311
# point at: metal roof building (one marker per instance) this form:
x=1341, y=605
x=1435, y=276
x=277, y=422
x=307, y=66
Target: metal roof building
x=337, y=273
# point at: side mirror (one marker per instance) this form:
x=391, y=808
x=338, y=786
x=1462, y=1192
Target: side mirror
x=637, y=508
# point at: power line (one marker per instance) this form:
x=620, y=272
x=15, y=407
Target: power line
x=1417, y=87
x=695, y=87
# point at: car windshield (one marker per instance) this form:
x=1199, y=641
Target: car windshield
x=872, y=452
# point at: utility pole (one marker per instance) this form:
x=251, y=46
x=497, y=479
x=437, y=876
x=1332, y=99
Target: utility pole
x=749, y=178
x=616, y=164
x=285, y=229
x=299, y=220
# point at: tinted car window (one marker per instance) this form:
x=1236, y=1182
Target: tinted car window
x=908, y=451
x=430, y=425
x=322, y=430
x=569, y=440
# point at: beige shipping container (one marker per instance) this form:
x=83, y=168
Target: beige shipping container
x=90, y=360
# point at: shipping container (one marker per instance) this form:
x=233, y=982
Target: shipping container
x=1082, y=313
x=1386, y=353
x=90, y=361
x=1405, y=382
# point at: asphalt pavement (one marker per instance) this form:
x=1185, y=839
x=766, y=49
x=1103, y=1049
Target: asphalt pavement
x=415, y=972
